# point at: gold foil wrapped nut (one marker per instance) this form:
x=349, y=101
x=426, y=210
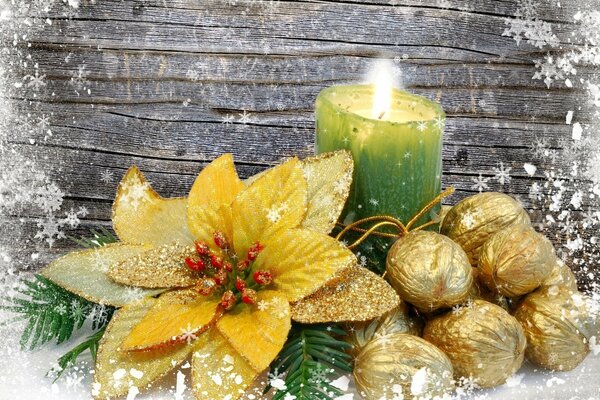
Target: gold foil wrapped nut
x=429, y=271
x=472, y=220
x=558, y=327
x=397, y=320
x=516, y=260
x=561, y=277
x=481, y=339
x=402, y=366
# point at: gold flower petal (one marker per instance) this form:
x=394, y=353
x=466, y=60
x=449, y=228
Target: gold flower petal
x=177, y=317
x=142, y=216
x=356, y=294
x=258, y=332
x=208, y=203
x=116, y=371
x=273, y=203
x=302, y=260
x=328, y=176
x=218, y=370
x=160, y=267
x=84, y=273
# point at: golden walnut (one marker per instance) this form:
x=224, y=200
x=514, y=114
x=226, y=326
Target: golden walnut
x=516, y=260
x=429, y=270
x=402, y=365
x=472, y=220
x=561, y=277
x=397, y=320
x=482, y=340
x=558, y=326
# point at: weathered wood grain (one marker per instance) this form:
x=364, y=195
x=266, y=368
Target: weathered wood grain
x=164, y=85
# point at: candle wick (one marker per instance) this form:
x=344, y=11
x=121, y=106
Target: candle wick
x=381, y=115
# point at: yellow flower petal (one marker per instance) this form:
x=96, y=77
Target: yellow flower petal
x=258, y=331
x=218, y=370
x=302, y=260
x=84, y=273
x=208, y=203
x=177, y=317
x=356, y=294
x=329, y=176
x=272, y=204
x=116, y=371
x=141, y=216
x=160, y=267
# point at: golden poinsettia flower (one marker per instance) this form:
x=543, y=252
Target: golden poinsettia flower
x=251, y=257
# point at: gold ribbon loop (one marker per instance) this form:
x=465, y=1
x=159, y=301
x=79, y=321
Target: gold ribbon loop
x=387, y=220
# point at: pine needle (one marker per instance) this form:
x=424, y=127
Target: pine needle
x=311, y=358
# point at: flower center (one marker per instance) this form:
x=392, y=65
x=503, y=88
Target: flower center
x=223, y=273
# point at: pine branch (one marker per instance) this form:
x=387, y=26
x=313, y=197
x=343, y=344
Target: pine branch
x=310, y=359
x=69, y=359
x=101, y=237
x=54, y=313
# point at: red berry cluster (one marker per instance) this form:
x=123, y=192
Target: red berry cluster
x=235, y=282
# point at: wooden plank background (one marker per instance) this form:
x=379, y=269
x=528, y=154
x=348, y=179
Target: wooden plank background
x=169, y=85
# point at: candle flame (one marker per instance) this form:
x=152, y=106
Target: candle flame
x=382, y=79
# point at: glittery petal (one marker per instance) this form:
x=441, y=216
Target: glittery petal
x=356, y=294
x=273, y=203
x=142, y=216
x=328, y=176
x=302, y=260
x=208, y=203
x=160, y=267
x=218, y=370
x=177, y=316
x=258, y=331
x=116, y=371
x=84, y=273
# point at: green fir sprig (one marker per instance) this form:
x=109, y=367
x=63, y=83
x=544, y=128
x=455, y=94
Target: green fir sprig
x=54, y=313
x=69, y=359
x=311, y=358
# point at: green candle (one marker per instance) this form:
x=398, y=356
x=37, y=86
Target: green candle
x=396, y=140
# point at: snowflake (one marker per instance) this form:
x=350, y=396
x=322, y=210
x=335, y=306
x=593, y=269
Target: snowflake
x=133, y=293
x=188, y=334
x=273, y=214
x=43, y=122
x=245, y=117
x=227, y=120
x=106, y=176
x=61, y=309
x=262, y=305
x=318, y=375
x=421, y=126
x=457, y=309
x=79, y=77
x=134, y=194
x=527, y=26
x=49, y=230
x=540, y=147
x=48, y=198
x=77, y=310
x=502, y=174
x=407, y=155
x=590, y=217
x=340, y=186
x=36, y=81
x=535, y=191
x=480, y=183
x=374, y=202
x=71, y=219
x=440, y=123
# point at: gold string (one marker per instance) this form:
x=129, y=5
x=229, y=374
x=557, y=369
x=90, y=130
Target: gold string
x=387, y=220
